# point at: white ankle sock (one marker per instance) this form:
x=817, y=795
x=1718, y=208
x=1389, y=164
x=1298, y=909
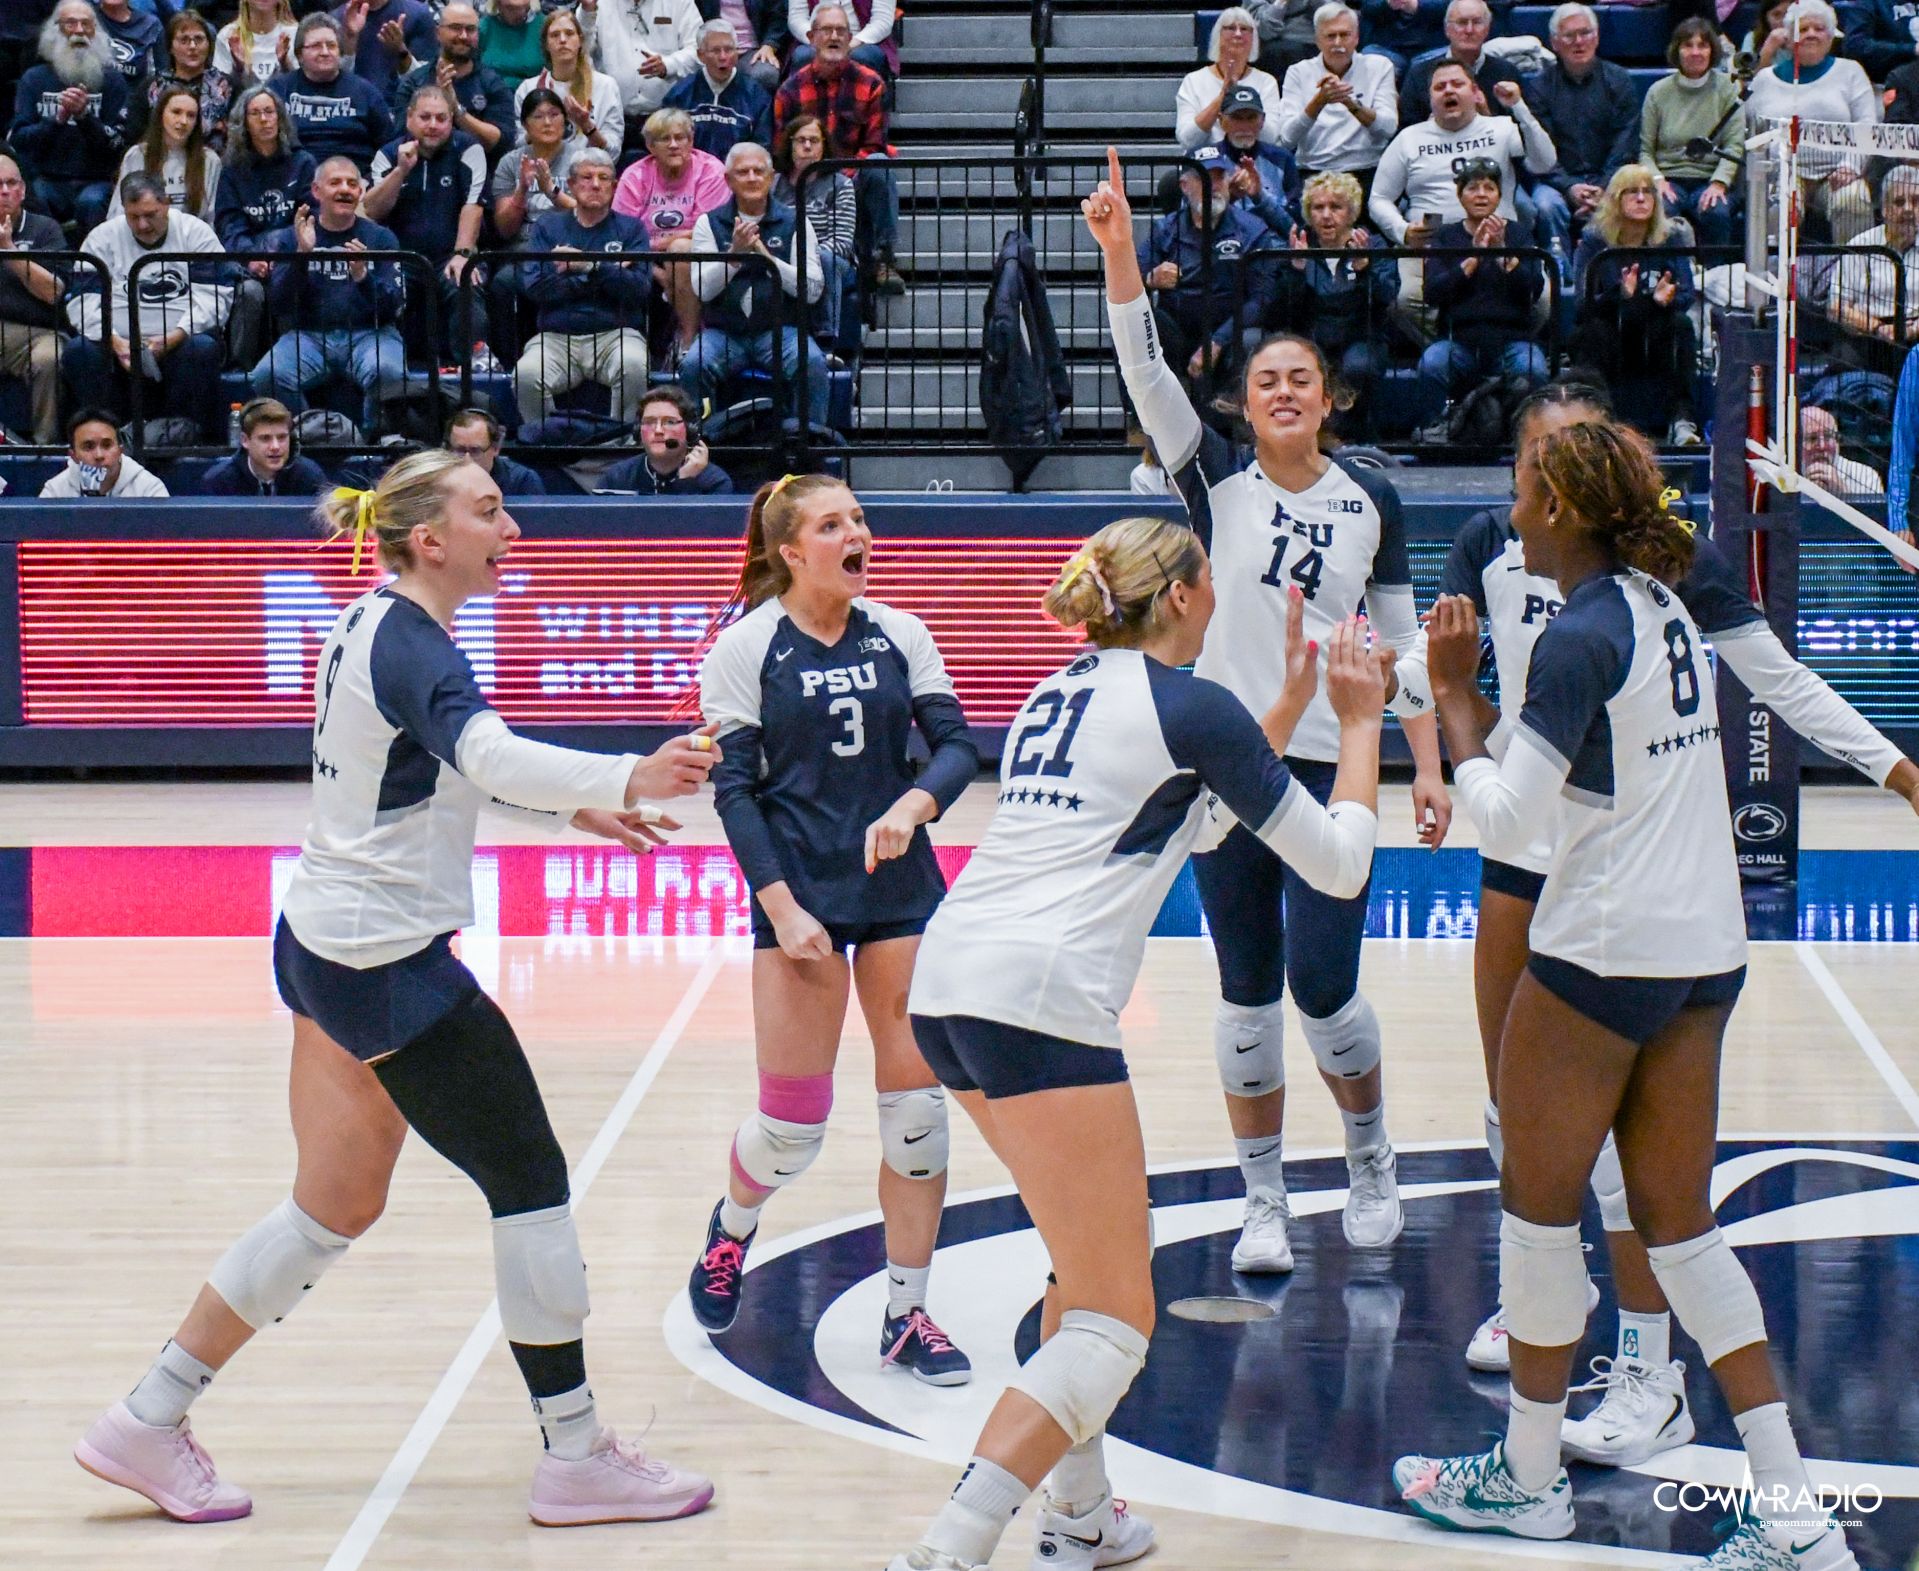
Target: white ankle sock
x=1364, y=1131
x=570, y=1423
x=971, y=1524
x=169, y=1387
x=1532, y=1441
x=906, y=1288
x=1262, y=1163
x=738, y=1220
x=1647, y=1338
x=1781, y=1489
x=1078, y=1480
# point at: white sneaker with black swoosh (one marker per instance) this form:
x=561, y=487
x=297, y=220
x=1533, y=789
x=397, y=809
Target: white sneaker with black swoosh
x=1107, y=1535
x=1642, y=1413
x=1753, y=1545
x=1263, y=1248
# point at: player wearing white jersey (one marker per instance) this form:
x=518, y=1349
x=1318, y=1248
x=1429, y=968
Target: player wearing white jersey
x=391, y=1031
x=1642, y=1408
x=1283, y=518
x=1638, y=954
x=816, y=690
x=1103, y=791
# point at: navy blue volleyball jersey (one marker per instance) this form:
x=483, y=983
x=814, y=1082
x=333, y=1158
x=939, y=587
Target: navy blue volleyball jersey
x=816, y=743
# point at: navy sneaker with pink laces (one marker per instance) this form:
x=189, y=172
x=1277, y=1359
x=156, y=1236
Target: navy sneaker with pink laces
x=715, y=1286
x=912, y=1341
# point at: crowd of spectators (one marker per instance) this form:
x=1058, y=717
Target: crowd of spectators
x=552, y=171
x=602, y=202
x=1450, y=134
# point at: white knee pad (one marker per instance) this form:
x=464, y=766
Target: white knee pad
x=540, y=1276
x=264, y=1274
x=772, y=1152
x=1542, y=1282
x=1346, y=1042
x=1082, y=1371
x=1495, y=1135
x=1710, y=1294
x=1249, y=1041
x=913, y=1132
x=1609, y=1184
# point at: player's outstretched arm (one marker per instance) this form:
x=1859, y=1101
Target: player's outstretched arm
x=1356, y=678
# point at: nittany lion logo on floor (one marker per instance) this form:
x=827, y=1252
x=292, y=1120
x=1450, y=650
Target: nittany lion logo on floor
x=1295, y=1417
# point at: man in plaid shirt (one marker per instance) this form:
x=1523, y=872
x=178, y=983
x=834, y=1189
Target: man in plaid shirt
x=850, y=101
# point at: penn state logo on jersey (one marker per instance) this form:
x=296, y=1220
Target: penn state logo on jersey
x=159, y=285
x=1287, y=1404
x=666, y=219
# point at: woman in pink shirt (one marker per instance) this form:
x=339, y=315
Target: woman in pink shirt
x=667, y=191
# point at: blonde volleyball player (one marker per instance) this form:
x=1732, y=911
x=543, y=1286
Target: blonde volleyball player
x=1285, y=518
x=1638, y=951
x=1028, y=963
x=1642, y=1408
x=815, y=691
x=391, y=1032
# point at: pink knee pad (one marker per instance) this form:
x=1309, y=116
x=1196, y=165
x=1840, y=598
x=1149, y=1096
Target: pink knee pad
x=796, y=1099
x=782, y=1138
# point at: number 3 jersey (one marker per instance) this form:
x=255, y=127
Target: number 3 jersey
x=1341, y=543
x=1103, y=792
x=1618, y=743
x=816, y=748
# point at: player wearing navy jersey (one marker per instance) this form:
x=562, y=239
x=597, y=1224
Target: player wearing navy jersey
x=1638, y=954
x=1104, y=788
x=1642, y=1408
x=815, y=691
x=391, y=1031
x=1285, y=517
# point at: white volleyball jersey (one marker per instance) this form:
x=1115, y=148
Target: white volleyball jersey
x=1341, y=543
x=406, y=751
x=1617, y=744
x=1488, y=564
x=1103, y=792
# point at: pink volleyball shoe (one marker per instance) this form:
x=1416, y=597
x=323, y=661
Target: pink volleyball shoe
x=619, y=1482
x=165, y=1465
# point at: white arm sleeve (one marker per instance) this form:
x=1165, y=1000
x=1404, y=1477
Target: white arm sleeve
x=1534, y=141
x=1806, y=702
x=1165, y=412
x=1414, y=695
x=1512, y=800
x=535, y=775
x=1330, y=847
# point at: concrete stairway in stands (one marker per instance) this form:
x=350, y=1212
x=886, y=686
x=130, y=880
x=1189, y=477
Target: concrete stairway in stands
x=1112, y=70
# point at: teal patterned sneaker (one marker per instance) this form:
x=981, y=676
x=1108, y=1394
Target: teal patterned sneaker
x=1476, y=1494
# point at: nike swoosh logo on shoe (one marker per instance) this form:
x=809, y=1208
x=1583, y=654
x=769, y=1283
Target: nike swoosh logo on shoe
x=1797, y=1549
x=1084, y=1543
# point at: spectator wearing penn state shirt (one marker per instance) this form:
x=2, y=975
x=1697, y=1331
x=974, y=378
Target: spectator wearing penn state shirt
x=674, y=460
x=136, y=37
x=386, y=38
x=30, y=295
x=1590, y=109
x=482, y=102
x=725, y=103
x=97, y=465
x=667, y=191
x=267, y=176
x=70, y=118
x=431, y=183
x=338, y=313
x=1338, y=110
x=334, y=110
x=475, y=436
x=1265, y=176
x=1469, y=24
x=183, y=310
x=585, y=307
x=266, y=464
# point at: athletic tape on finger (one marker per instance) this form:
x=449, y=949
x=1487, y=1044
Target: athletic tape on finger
x=652, y=815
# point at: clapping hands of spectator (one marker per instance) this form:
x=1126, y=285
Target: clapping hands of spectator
x=1203, y=357
x=1664, y=287
x=393, y=37
x=305, y=232
x=1165, y=276
x=1334, y=90
x=6, y=232
x=1629, y=281
x=358, y=270
x=1231, y=70
x=580, y=114
x=284, y=51
x=73, y=103
x=1507, y=93
x=353, y=21
x=443, y=75
x=1245, y=181
x=1299, y=240
x=746, y=237
x=1360, y=241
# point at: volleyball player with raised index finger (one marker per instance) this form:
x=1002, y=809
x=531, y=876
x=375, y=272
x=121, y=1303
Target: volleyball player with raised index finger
x=1104, y=788
x=815, y=691
x=391, y=1031
x=1638, y=954
x=1642, y=1408
x=1284, y=517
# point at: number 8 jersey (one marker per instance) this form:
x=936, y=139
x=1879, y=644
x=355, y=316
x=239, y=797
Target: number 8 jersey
x=1619, y=738
x=815, y=739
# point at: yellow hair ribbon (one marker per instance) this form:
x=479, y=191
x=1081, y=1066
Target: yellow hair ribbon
x=780, y=485
x=1666, y=499
x=1075, y=566
x=365, y=517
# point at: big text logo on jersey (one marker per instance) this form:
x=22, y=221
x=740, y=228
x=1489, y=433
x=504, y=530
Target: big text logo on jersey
x=1295, y=1418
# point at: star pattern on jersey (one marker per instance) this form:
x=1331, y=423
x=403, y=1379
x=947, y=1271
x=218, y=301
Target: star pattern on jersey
x=1037, y=798
x=325, y=770
x=1682, y=739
